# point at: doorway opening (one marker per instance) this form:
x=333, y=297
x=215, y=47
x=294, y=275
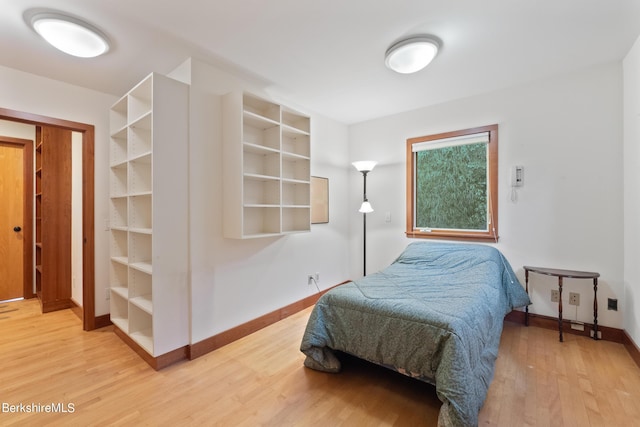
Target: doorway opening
x=88, y=227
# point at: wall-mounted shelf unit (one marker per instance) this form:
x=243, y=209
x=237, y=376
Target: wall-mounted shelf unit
x=267, y=162
x=149, y=218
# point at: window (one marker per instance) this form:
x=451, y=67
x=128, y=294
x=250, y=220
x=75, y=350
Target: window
x=452, y=185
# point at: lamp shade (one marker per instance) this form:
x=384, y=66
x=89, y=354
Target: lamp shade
x=70, y=35
x=364, y=165
x=365, y=207
x=411, y=55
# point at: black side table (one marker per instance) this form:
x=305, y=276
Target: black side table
x=560, y=274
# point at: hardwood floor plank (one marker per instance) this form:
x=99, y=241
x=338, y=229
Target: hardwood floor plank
x=260, y=380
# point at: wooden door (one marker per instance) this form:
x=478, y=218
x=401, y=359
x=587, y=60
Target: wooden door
x=11, y=221
x=53, y=274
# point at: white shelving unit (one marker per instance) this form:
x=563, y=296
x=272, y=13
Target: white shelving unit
x=267, y=164
x=149, y=214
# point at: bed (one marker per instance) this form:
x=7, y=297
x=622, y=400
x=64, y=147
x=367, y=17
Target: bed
x=436, y=314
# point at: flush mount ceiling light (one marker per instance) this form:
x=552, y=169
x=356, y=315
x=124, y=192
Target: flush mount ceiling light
x=70, y=35
x=411, y=54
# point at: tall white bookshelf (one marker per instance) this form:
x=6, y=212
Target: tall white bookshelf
x=267, y=182
x=149, y=215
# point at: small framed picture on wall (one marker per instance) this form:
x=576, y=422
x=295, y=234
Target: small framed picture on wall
x=319, y=200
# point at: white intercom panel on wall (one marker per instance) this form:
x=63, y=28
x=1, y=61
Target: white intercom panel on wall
x=517, y=176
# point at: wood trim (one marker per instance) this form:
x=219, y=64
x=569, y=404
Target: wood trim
x=410, y=189
x=632, y=348
x=27, y=212
x=60, y=304
x=158, y=362
x=88, y=230
x=36, y=119
x=212, y=343
x=492, y=234
x=88, y=201
x=450, y=235
x=102, y=321
x=547, y=322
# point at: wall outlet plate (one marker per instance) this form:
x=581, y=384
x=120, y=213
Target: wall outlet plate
x=574, y=298
x=555, y=295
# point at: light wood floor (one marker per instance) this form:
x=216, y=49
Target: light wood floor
x=260, y=380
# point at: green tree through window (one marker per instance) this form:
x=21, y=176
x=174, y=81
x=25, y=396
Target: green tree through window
x=452, y=185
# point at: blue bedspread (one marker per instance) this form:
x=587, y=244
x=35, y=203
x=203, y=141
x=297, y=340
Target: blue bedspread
x=436, y=313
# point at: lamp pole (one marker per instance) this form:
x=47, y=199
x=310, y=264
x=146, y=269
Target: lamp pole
x=364, y=226
x=364, y=167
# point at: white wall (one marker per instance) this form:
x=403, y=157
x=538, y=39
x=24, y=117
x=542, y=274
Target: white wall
x=17, y=130
x=235, y=281
x=567, y=133
x=631, y=67
x=37, y=95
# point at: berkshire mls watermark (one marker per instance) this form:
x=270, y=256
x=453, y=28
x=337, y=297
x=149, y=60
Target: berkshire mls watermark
x=47, y=408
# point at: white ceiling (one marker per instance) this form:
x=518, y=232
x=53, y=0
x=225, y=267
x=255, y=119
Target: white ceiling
x=328, y=56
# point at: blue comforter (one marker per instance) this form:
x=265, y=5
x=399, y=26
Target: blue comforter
x=436, y=313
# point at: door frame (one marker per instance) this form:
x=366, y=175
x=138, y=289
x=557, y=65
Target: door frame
x=88, y=206
x=26, y=145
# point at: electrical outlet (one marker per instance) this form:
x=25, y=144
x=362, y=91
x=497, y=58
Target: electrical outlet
x=555, y=295
x=317, y=277
x=310, y=279
x=574, y=298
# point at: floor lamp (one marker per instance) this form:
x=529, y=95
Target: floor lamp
x=364, y=167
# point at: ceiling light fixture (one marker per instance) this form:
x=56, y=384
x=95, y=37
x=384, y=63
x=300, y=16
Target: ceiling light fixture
x=70, y=35
x=411, y=54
